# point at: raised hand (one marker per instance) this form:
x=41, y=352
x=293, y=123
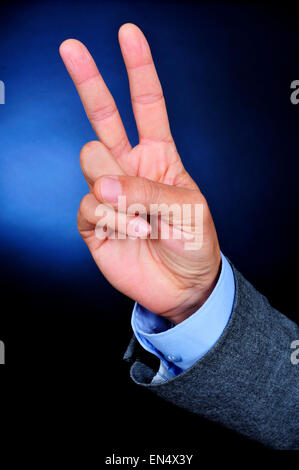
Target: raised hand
x=159, y=273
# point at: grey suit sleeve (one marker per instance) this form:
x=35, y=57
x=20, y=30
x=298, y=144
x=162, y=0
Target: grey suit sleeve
x=247, y=381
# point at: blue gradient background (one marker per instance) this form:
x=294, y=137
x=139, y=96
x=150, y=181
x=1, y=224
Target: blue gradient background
x=226, y=71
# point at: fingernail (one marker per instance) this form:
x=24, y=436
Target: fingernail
x=110, y=189
x=138, y=228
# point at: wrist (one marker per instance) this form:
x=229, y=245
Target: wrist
x=196, y=296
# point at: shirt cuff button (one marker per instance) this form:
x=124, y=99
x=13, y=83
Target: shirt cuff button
x=173, y=358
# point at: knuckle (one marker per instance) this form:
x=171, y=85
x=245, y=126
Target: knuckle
x=103, y=112
x=148, y=98
x=121, y=146
x=87, y=150
x=150, y=190
x=84, y=205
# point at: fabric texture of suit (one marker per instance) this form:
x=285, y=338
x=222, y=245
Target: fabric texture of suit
x=247, y=381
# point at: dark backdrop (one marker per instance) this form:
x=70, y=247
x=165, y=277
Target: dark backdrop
x=226, y=70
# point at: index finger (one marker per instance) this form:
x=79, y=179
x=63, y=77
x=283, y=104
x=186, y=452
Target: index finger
x=97, y=100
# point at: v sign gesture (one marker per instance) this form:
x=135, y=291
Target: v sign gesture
x=158, y=273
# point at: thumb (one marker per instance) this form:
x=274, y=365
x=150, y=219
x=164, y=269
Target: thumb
x=132, y=194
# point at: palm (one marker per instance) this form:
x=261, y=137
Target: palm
x=158, y=161
x=134, y=265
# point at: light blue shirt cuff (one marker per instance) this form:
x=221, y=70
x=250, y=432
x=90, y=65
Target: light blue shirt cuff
x=180, y=346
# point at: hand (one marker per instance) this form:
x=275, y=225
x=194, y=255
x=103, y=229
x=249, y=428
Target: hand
x=160, y=274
